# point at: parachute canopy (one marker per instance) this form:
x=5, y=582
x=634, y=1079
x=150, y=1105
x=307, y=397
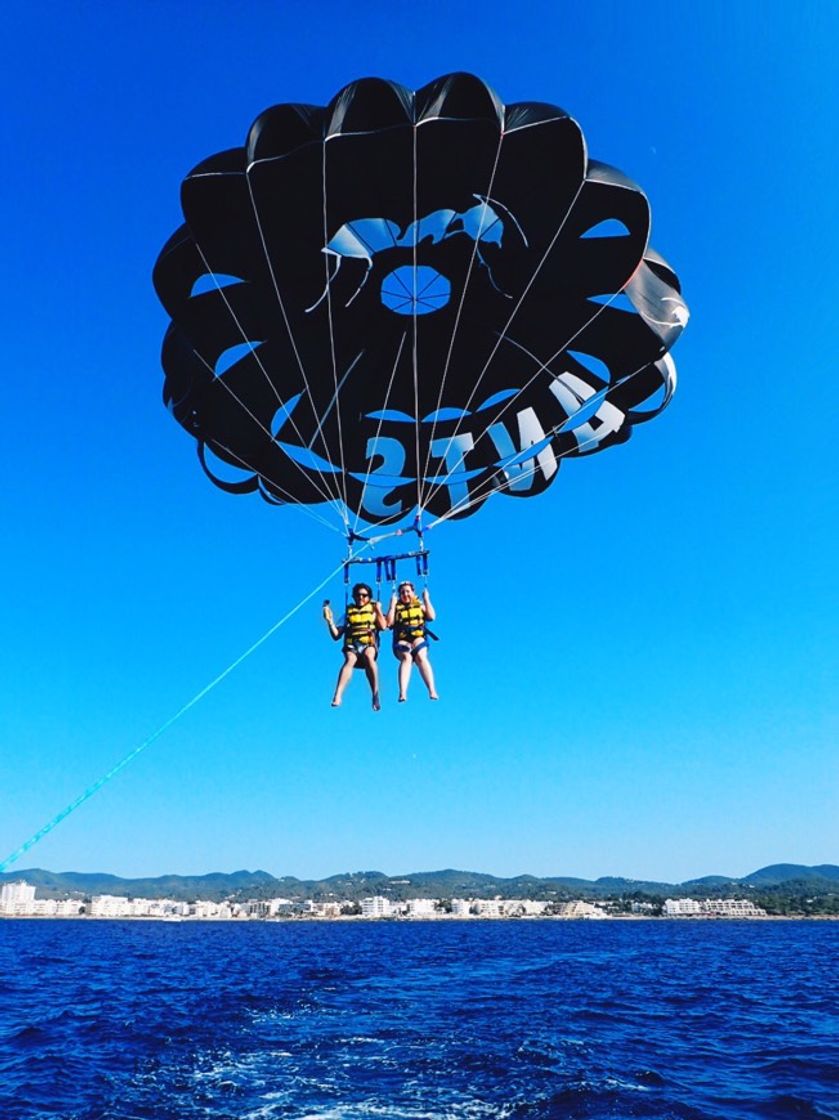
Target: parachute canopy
x=409, y=301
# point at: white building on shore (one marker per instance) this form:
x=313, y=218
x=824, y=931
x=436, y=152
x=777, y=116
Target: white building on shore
x=487, y=907
x=681, y=908
x=328, y=910
x=216, y=911
x=731, y=908
x=116, y=906
x=17, y=898
x=421, y=907
x=579, y=909
x=57, y=908
x=497, y=908
x=376, y=907
x=522, y=908
x=711, y=908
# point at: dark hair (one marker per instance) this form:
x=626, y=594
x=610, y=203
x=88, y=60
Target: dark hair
x=362, y=587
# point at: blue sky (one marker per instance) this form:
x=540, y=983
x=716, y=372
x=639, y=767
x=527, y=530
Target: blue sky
x=658, y=698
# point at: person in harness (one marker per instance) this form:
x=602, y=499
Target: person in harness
x=359, y=628
x=407, y=616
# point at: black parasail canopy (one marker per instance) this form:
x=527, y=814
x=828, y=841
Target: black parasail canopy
x=410, y=301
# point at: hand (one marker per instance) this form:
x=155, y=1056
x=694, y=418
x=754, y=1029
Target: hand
x=327, y=614
x=425, y=595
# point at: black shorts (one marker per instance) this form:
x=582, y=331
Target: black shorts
x=406, y=647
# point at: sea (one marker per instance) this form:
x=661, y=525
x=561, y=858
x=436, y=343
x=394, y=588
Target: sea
x=467, y=1020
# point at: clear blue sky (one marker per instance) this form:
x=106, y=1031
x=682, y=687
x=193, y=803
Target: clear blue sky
x=660, y=697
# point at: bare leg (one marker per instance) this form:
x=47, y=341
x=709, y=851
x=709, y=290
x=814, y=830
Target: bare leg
x=427, y=673
x=372, y=671
x=344, y=676
x=405, y=665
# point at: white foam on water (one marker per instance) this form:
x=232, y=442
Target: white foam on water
x=617, y=1083
x=469, y=1109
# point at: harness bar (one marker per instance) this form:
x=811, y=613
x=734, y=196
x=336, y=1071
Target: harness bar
x=386, y=565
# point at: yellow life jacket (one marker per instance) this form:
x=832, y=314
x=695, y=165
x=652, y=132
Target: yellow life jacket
x=360, y=625
x=409, y=621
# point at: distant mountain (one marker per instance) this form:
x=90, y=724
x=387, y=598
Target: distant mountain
x=215, y=885
x=778, y=873
x=611, y=885
x=709, y=881
x=448, y=883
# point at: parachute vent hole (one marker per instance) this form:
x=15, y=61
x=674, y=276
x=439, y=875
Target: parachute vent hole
x=308, y=458
x=443, y=414
x=224, y=467
x=420, y=291
x=592, y=364
x=651, y=405
x=584, y=413
x=618, y=300
x=392, y=414
x=283, y=413
x=212, y=281
x=233, y=354
x=497, y=398
x=611, y=227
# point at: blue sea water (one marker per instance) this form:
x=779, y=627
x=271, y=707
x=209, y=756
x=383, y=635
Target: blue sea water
x=531, y=1019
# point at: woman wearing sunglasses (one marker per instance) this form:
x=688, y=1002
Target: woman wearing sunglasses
x=359, y=627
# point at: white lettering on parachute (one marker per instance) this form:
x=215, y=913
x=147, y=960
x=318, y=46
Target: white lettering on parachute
x=521, y=474
x=572, y=392
x=590, y=420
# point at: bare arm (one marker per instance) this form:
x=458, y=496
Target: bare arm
x=391, y=613
x=430, y=613
x=335, y=631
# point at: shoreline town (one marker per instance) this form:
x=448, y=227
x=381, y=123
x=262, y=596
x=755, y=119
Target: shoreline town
x=18, y=900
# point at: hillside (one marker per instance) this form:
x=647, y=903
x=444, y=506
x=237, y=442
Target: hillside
x=777, y=883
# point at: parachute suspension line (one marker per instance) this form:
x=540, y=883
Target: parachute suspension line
x=378, y=432
x=247, y=341
x=461, y=302
x=543, y=367
x=332, y=403
x=332, y=336
x=530, y=283
x=422, y=551
x=482, y=493
x=415, y=354
x=506, y=327
x=386, y=565
x=306, y=384
x=112, y=773
x=290, y=497
x=308, y=389
x=326, y=495
x=379, y=582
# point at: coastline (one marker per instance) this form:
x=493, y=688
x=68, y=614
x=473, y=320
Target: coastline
x=473, y=919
